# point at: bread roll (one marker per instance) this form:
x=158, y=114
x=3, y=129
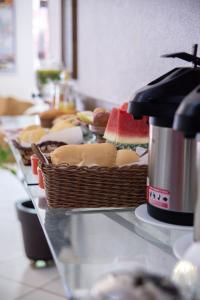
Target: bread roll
x=85, y=155
x=51, y=113
x=33, y=135
x=61, y=125
x=126, y=157
x=31, y=127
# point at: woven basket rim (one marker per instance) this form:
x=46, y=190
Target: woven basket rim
x=94, y=167
x=18, y=145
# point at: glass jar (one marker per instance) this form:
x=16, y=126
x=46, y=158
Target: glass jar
x=65, y=97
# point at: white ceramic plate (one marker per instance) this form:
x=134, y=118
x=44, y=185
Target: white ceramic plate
x=181, y=245
x=142, y=214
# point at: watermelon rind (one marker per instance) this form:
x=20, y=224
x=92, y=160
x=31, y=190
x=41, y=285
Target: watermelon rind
x=128, y=146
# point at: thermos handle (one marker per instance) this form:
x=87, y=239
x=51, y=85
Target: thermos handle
x=197, y=221
x=197, y=210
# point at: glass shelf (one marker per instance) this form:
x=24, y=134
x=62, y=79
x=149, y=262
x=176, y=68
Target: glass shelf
x=24, y=172
x=87, y=243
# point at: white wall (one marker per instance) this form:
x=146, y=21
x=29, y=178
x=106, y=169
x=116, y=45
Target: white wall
x=120, y=42
x=21, y=83
x=54, y=10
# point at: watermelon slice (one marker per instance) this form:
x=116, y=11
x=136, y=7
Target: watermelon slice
x=124, y=106
x=110, y=133
x=124, y=131
x=130, y=131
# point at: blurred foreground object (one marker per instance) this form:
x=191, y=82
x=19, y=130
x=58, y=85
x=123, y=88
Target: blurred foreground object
x=10, y=106
x=134, y=286
x=5, y=153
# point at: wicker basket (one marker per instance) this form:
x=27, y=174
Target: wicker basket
x=26, y=152
x=93, y=187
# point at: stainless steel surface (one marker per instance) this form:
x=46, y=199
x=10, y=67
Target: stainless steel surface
x=172, y=167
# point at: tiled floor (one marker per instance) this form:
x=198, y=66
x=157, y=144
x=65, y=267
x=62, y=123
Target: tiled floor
x=18, y=280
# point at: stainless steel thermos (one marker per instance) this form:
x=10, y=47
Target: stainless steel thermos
x=171, y=185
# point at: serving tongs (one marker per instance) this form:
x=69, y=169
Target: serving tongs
x=36, y=150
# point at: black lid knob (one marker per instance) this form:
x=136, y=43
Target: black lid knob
x=186, y=56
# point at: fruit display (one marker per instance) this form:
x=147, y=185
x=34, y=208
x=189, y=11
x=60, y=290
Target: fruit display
x=126, y=132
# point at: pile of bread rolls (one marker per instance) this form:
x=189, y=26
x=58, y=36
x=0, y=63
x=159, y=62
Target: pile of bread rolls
x=105, y=155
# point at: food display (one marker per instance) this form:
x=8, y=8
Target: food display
x=71, y=118
x=85, y=155
x=62, y=133
x=60, y=125
x=31, y=134
x=103, y=154
x=93, y=175
x=124, y=131
x=111, y=129
x=96, y=120
x=126, y=157
x=86, y=117
x=80, y=172
x=47, y=117
x=100, y=120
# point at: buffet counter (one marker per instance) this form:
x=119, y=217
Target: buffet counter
x=87, y=243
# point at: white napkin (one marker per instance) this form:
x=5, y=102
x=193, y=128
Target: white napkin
x=72, y=135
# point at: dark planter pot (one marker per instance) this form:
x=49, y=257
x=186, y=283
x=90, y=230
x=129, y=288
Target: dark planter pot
x=35, y=243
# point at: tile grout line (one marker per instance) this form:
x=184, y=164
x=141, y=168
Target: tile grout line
x=25, y=294
x=38, y=289
x=16, y=281
x=52, y=280
x=53, y=293
x=27, y=284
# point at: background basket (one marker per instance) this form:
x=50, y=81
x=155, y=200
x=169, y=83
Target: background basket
x=26, y=152
x=46, y=123
x=92, y=187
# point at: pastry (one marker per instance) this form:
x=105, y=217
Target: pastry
x=47, y=117
x=60, y=125
x=70, y=118
x=33, y=135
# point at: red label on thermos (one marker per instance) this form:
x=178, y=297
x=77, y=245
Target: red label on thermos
x=158, y=197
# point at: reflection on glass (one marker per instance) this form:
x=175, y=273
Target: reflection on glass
x=187, y=276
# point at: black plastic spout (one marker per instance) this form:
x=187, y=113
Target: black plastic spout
x=187, y=117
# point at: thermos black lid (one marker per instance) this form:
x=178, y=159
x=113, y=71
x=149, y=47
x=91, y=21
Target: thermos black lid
x=161, y=97
x=187, y=117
